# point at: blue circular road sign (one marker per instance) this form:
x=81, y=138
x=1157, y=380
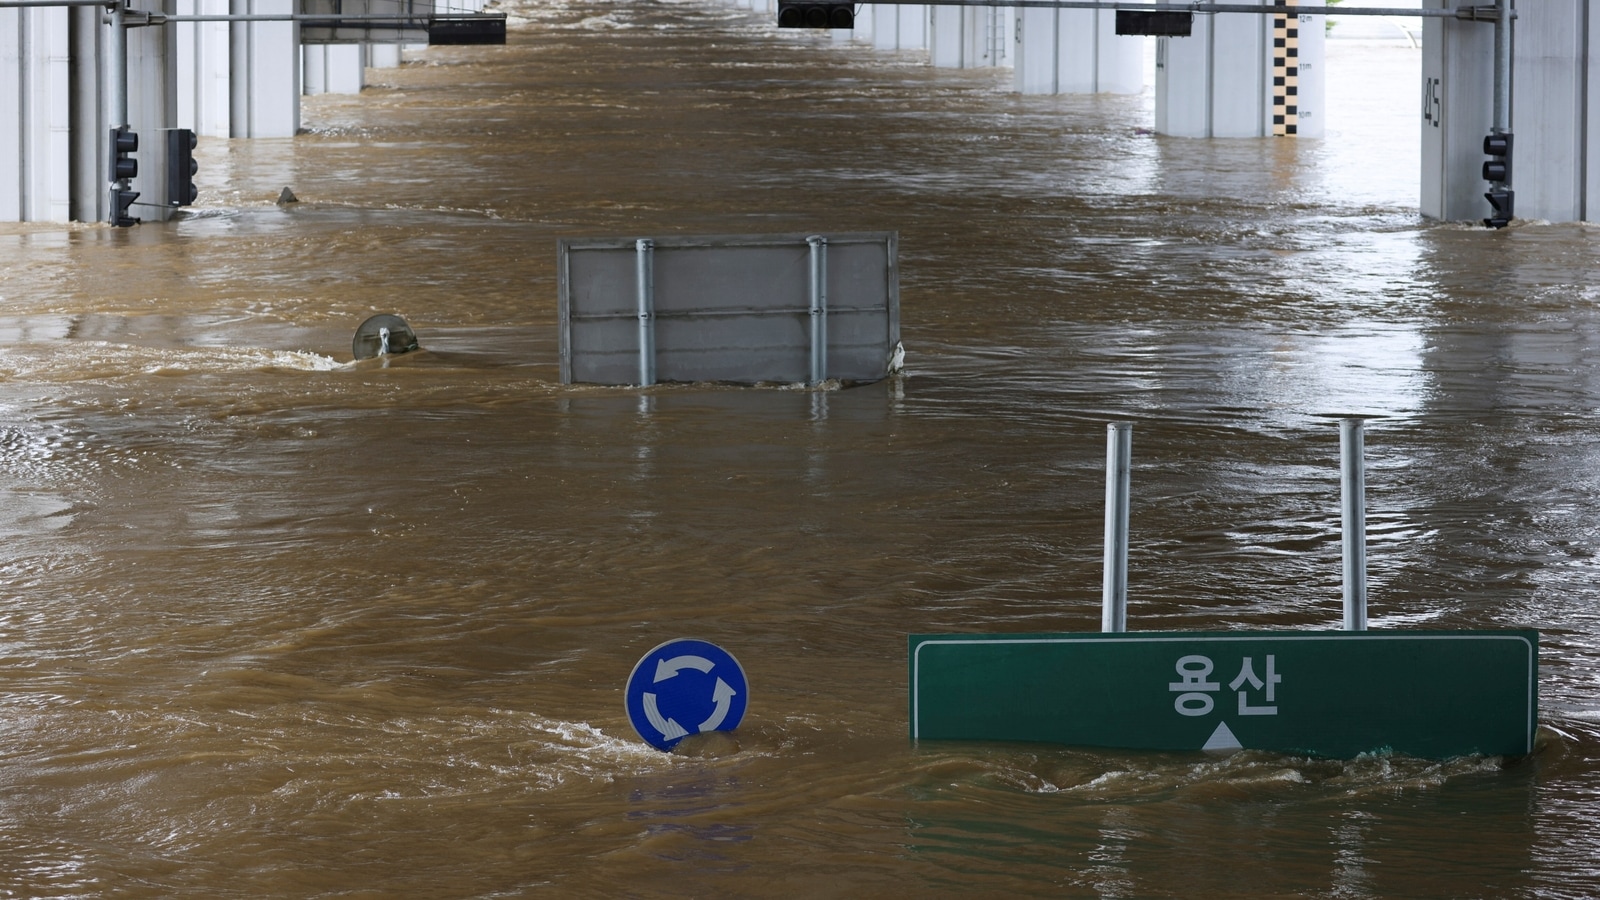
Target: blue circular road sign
x=685, y=687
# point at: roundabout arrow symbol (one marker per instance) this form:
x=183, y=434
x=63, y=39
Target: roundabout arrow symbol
x=669, y=667
x=664, y=707
x=723, y=698
x=670, y=729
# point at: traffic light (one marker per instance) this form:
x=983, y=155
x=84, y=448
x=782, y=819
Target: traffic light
x=1497, y=171
x=181, y=167
x=124, y=141
x=814, y=14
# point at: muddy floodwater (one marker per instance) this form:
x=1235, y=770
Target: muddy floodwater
x=275, y=623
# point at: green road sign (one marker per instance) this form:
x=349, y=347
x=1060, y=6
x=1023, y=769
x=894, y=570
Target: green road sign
x=1430, y=694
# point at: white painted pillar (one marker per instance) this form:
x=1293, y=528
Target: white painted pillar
x=1229, y=80
x=899, y=27
x=970, y=37
x=1183, y=82
x=1239, y=50
x=35, y=177
x=202, y=54
x=383, y=56
x=945, y=38
x=1075, y=51
x=313, y=66
x=1591, y=138
x=1313, y=76
x=89, y=142
x=333, y=68
x=1551, y=96
x=152, y=77
x=265, y=62
x=1457, y=111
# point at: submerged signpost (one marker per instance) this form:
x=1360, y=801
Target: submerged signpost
x=744, y=309
x=1333, y=693
x=1339, y=694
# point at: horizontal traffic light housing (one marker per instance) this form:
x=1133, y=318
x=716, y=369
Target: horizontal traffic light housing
x=812, y=14
x=1160, y=23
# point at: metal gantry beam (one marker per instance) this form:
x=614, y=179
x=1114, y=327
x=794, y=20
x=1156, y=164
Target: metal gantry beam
x=1484, y=13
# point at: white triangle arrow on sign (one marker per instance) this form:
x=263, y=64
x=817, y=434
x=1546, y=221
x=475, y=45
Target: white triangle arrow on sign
x=1222, y=740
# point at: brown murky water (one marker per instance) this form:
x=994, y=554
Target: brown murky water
x=276, y=624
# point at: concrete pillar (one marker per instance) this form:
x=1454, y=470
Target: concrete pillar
x=152, y=106
x=1075, y=51
x=899, y=27
x=383, y=56
x=1591, y=109
x=944, y=37
x=265, y=80
x=1551, y=101
x=333, y=68
x=202, y=56
x=969, y=37
x=1313, y=77
x=1229, y=79
x=35, y=177
x=1457, y=111
x=89, y=143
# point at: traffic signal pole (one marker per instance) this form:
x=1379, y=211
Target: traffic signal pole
x=1464, y=13
x=1498, y=145
x=116, y=104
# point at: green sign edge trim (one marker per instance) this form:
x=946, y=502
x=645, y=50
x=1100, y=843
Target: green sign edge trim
x=920, y=641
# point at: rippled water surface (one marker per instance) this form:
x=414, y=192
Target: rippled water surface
x=275, y=623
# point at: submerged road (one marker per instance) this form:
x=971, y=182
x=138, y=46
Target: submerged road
x=278, y=624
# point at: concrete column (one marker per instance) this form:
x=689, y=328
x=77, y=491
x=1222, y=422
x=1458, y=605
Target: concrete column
x=1229, y=79
x=1075, y=51
x=333, y=68
x=899, y=27
x=202, y=55
x=35, y=127
x=89, y=148
x=265, y=62
x=1457, y=111
x=1591, y=117
x=1550, y=102
x=1313, y=76
x=945, y=38
x=383, y=56
x=152, y=106
x=970, y=37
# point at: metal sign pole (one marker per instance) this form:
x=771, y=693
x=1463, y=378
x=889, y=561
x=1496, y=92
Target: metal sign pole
x=1502, y=67
x=1353, y=507
x=819, y=308
x=1114, y=587
x=647, y=330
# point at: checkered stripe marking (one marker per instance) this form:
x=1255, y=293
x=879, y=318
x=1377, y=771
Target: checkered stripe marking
x=1286, y=73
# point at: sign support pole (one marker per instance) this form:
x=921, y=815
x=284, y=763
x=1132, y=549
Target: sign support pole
x=1114, y=587
x=647, y=332
x=1353, y=508
x=819, y=308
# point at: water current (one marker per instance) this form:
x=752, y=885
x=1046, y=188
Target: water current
x=274, y=623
